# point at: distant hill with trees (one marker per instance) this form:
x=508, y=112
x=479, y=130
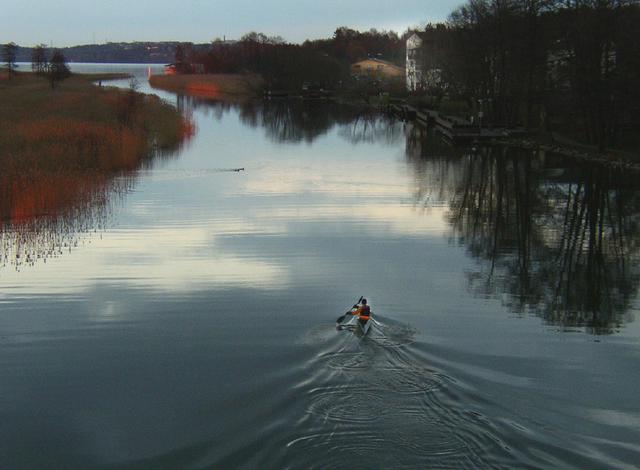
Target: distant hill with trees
x=115, y=52
x=286, y=66
x=347, y=45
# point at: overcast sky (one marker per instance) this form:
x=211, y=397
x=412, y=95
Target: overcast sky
x=70, y=22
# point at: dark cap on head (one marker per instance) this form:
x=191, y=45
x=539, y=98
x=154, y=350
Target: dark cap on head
x=364, y=301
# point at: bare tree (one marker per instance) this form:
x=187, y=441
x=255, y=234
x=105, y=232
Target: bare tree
x=58, y=69
x=261, y=38
x=39, y=61
x=183, y=57
x=596, y=63
x=9, y=57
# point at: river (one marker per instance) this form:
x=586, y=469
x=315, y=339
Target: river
x=186, y=318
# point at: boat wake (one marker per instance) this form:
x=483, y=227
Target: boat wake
x=373, y=398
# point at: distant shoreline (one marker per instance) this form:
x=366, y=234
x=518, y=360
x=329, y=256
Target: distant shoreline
x=78, y=62
x=104, y=76
x=211, y=85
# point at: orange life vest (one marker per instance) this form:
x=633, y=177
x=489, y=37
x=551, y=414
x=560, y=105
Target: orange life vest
x=364, y=312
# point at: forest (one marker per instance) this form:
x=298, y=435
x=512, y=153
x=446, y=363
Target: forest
x=545, y=64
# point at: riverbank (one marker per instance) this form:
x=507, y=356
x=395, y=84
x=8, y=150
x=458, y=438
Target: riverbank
x=43, y=125
x=59, y=143
x=234, y=86
x=105, y=77
x=238, y=87
x=459, y=130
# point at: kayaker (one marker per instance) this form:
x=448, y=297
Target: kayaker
x=363, y=312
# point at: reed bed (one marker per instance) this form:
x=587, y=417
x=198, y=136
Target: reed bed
x=210, y=85
x=61, y=149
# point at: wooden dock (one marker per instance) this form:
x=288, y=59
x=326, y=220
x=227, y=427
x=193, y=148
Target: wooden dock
x=454, y=128
x=309, y=94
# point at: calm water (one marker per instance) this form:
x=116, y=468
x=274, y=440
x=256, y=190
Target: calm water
x=183, y=316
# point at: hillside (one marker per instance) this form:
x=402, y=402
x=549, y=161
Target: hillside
x=116, y=52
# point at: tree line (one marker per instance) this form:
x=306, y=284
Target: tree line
x=554, y=65
x=147, y=52
x=543, y=64
x=325, y=62
x=53, y=67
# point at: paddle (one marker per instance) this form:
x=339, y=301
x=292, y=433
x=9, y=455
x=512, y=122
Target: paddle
x=342, y=317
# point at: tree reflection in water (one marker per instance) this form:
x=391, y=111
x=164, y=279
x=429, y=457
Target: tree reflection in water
x=556, y=238
x=295, y=121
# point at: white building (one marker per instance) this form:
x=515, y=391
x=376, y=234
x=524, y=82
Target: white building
x=413, y=66
x=420, y=75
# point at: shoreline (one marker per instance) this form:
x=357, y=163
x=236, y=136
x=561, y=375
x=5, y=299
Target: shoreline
x=211, y=86
x=107, y=76
x=63, y=146
x=79, y=124
x=238, y=87
x=549, y=141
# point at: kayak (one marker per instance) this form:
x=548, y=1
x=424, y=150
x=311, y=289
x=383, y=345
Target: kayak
x=366, y=326
x=351, y=320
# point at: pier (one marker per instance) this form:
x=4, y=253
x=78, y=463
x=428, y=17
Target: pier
x=454, y=128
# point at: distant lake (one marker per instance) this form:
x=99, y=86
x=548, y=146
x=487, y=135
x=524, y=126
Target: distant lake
x=183, y=315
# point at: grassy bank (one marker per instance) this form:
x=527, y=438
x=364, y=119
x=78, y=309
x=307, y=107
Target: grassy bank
x=94, y=77
x=59, y=145
x=81, y=125
x=210, y=86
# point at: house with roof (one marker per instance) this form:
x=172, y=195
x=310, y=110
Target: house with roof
x=376, y=69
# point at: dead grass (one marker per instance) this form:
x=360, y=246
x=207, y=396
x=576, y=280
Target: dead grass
x=59, y=146
x=210, y=86
x=94, y=77
x=78, y=123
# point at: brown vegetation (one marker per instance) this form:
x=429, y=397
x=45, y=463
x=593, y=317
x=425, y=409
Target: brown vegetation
x=211, y=85
x=61, y=148
x=105, y=76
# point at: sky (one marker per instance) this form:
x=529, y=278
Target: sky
x=62, y=23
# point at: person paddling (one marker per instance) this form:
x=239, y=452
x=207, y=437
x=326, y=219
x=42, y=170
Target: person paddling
x=363, y=312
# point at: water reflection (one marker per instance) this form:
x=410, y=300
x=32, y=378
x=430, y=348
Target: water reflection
x=235, y=278
x=47, y=211
x=552, y=238
x=555, y=238
x=42, y=217
x=295, y=121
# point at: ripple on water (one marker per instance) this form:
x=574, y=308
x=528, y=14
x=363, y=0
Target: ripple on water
x=394, y=335
x=382, y=384
x=338, y=449
x=347, y=361
x=407, y=446
x=317, y=335
x=351, y=405
x=385, y=371
x=409, y=382
x=429, y=444
x=459, y=438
